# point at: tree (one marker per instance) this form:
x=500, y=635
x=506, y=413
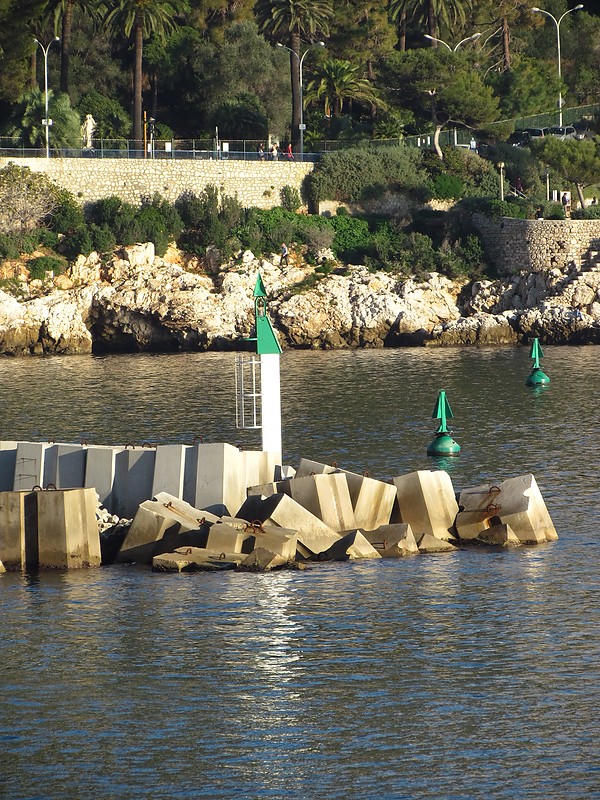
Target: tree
x=576, y=161
x=139, y=19
x=25, y=121
x=294, y=20
x=26, y=198
x=62, y=12
x=16, y=44
x=529, y=87
x=336, y=81
x=431, y=13
x=442, y=87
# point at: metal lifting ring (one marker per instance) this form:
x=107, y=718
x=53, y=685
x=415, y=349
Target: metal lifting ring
x=51, y=487
x=84, y=442
x=366, y=473
x=334, y=464
x=129, y=444
x=493, y=507
x=197, y=439
x=37, y=488
x=222, y=556
x=147, y=444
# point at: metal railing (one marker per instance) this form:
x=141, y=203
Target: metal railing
x=248, y=149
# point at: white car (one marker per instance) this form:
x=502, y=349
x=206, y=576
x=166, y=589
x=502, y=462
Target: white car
x=566, y=132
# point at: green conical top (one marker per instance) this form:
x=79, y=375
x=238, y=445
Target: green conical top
x=443, y=412
x=266, y=340
x=536, y=352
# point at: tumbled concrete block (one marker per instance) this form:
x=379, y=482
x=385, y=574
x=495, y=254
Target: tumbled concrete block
x=169, y=469
x=284, y=472
x=306, y=467
x=220, y=478
x=314, y=536
x=374, y=504
x=499, y=536
x=64, y=466
x=516, y=502
x=258, y=466
x=13, y=550
x=193, y=559
x=29, y=465
x=223, y=538
x=351, y=547
x=67, y=529
x=393, y=541
x=267, y=489
x=188, y=517
x=428, y=543
x=262, y=560
x=427, y=502
x=327, y=497
x=8, y=460
x=282, y=541
x=134, y=474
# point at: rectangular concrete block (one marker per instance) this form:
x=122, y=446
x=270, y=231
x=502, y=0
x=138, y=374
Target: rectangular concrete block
x=258, y=466
x=516, y=502
x=393, y=541
x=29, y=465
x=12, y=530
x=134, y=474
x=427, y=502
x=148, y=527
x=220, y=478
x=8, y=460
x=188, y=517
x=64, y=466
x=223, y=538
x=281, y=541
x=280, y=510
x=374, y=503
x=327, y=497
x=100, y=473
x=67, y=529
x=169, y=469
x=306, y=467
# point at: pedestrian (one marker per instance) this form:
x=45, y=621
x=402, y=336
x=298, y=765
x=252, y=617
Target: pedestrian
x=539, y=212
x=290, y=154
x=274, y=151
x=261, y=151
x=594, y=201
x=566, y=203
x=519, y=185
x=284, y=255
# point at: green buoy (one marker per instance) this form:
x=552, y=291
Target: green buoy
x=443, y=444
x=536, y=377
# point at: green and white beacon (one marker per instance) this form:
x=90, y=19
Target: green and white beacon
x=536, y=377
x=443, y=444
x=258, y=385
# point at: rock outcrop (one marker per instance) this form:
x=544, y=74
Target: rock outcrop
x=134, y=301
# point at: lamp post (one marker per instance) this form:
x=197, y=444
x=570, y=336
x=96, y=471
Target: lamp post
x=455, y=48
x=46, y=122
x=557, y=23
x=301, y=58
x=501, y=168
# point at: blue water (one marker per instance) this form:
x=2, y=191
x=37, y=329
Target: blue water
x=469, y=675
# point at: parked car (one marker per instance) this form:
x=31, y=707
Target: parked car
x=537, y=133
x=566, y=132
x=519, y=138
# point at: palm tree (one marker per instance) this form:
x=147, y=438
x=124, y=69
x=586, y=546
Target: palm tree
x=139, y=19
x=61, y=12
x=338, y=80
x=25, y=120
x=431, y=13
x=294, y=20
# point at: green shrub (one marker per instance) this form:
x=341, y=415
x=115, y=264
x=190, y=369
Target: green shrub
x=77, y=243
x=9, y=246
x=352, y=238
x=447, y=187
x=209, y=219
x=553, y=211
x=290, y=198
x=103, y=240
x=68, y=214
x=589, y=212
x=113, y=214
x=159, y=222
x=39, y=266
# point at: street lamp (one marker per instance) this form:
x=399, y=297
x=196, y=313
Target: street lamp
x=46, y=122
x=302, y=126
x=557, y=23
x=455, y=48
x=501, y=168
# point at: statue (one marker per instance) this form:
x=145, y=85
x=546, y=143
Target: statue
x=87, y=131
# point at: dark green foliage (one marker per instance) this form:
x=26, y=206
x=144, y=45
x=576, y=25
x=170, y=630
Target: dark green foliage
x=39, y=266
x=68, y=214
x=589, y=212
x=78, y=242
x=352, y=240
x=447, y=187
x=209, y=219
x=9, y=246
x=290, y=198
x=118, y=217
x=493, y=207
x=112, y=121
x=156, y=221
x=159, y=222
x=103, y=239
x=553, y=211
x=357, y=173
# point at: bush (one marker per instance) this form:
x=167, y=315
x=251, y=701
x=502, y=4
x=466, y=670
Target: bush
x=78, y=243
x=492, y=207
x=209, y=219
x=39, y=266
x=68, y=214
x=589, y=212
x=290, y=198
x=447, y=187
x=103, y=240
x=352, y=239
x=9, y=246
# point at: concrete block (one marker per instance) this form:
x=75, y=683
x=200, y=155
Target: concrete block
x=428, y=543
x=223, y=538
x=169, y=469
x=499, y=536
x=282, y=473
x=393, y=541
x=282, y=541
x=327, y=497
x=427, y=502
x=306, y=467
x=262, y=560
x=374, y=503
x=188, y=517
x=351, y=547
x=2, y=568
x=258, y=466
x=134, y=474
x=64, y=466
x=67, y=529
x=516, y=502
x=282, y=511
x=193, y=559
x=267, y=489
x=220, y=478
x=149, y=527
x=8, y=460
x=29, y=465
x=100, y=473
x=12, y=530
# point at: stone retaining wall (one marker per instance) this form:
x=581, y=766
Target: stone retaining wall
x=535, y=245
x=256, y=183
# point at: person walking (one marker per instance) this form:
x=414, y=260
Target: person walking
x=261, y=151
x=290, y=154
x=284, y=255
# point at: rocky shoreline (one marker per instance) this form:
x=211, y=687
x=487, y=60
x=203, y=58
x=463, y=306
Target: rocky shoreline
x=133, y=301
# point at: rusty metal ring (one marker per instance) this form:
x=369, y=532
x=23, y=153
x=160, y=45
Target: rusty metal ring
x=366, y=473
x=51, y=487
x=147, y=444
x=494, y=490
x=222, y=556
x=197, y=439
x=84, y=442
x=493, y=507
x=37, y=488
x=129, y=444
x=334, y=464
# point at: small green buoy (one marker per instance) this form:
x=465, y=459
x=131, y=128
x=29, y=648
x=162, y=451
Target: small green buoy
x=443, y=444
x=536, y=377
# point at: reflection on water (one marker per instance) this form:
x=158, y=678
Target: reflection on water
x=468, y=675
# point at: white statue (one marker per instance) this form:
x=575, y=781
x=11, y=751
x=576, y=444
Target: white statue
x=87, y=131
